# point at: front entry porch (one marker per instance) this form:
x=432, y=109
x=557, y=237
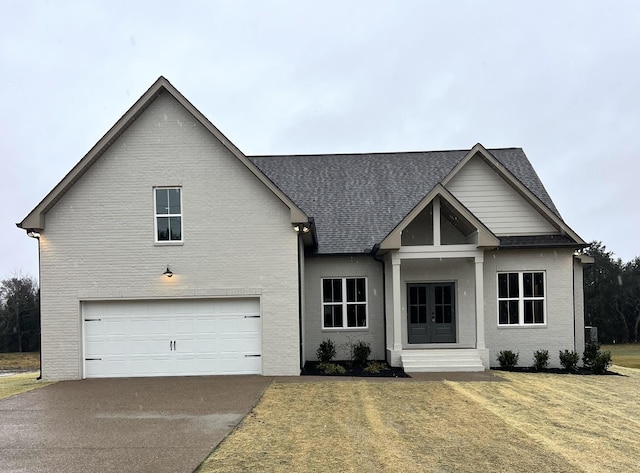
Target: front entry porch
x=437, y=307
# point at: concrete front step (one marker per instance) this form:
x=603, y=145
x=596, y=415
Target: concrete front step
x=422, y=361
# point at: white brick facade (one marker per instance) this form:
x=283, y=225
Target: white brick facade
x=99, y=238
x=558, y=332
x=317, y=268
x=98, y=244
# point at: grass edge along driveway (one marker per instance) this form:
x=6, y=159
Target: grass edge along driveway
x=533, y=422
x=19, y=383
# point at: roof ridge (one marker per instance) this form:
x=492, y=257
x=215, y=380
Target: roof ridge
x=304, y=155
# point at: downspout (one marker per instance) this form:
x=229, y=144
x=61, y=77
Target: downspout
x=374, y=250
x=40, y=306
x=301, y=355
x=573, y=284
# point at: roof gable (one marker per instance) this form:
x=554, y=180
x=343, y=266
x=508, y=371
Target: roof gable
x=546, y=211
x=35, y=220
x=357, y=200
x=485, y=237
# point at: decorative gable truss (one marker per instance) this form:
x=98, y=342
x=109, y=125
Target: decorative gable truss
x=440, y=219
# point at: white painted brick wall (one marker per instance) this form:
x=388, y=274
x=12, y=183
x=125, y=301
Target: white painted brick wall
x=558, y=334
x=317, y=268
x=99, y=238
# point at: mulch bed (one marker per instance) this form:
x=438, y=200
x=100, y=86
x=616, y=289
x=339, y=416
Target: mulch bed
x=579, y=372
x=355, y=370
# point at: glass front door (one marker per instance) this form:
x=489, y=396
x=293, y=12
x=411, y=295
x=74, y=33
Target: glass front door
x=431, y=313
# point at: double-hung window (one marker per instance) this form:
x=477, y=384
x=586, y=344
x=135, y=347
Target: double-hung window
x=344, y=303
x=521, y=298
x=168, y=214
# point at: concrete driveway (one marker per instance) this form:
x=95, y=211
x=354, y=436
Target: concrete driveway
x=123, y=425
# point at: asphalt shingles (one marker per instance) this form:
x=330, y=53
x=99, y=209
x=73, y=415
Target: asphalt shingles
x=356, y=200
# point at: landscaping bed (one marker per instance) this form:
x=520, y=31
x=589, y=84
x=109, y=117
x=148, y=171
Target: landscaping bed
x=381, y=369
x=579, y=371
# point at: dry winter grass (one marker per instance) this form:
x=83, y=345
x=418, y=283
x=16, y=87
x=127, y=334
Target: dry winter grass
x=20, y=361
x=532, y=422
x=19, y=383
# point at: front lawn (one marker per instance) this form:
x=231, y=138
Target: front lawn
x=19, y=383
x=624, y=354
x=534, y=422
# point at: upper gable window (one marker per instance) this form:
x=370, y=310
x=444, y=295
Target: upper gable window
x=168, y=213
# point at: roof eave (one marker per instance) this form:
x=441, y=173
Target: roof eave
x=36, y=218
x=517, y=185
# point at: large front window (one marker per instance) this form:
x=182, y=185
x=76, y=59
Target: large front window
x=168, y=212
x=344, y=303
x=521, y=298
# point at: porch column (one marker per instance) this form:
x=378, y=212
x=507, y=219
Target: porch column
x=480, y=301
x=397, y=305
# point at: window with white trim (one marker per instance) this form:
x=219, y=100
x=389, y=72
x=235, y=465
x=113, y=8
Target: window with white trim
x=521, y=298
x=168, y=214
x=344, y=303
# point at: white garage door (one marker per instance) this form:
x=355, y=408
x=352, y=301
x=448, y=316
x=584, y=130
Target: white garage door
x=171, y=338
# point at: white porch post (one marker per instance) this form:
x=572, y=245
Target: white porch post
x=479, y=259
x=397, y=305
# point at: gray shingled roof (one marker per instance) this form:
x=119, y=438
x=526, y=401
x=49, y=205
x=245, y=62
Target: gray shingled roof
x=357, y=199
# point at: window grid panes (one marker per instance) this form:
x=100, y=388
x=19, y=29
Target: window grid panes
x=344, y=303
x=521, y=298
x=168, y=213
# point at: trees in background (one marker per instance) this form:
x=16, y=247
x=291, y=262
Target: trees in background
x=19, y=314
x=612, y=295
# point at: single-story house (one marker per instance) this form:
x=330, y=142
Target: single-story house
x=167, y=251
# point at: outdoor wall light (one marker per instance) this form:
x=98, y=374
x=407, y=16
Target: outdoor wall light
x=168, y=273
x=301, y=227
x=33, y=234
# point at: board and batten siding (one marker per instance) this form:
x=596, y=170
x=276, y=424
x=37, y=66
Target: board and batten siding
x=98, y=243
x=495, y=203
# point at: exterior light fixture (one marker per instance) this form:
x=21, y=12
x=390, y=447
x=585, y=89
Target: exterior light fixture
x=301, y=227
x=33, y=234
x=168, y=273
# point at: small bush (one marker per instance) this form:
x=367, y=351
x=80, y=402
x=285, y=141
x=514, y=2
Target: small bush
x=591, y=351
x=541, y=359
x=326, y=351
x=602, y=362
x=361, y=352
x=508, y=359
x=569, y=360
x=331, y=368
x=375, y=367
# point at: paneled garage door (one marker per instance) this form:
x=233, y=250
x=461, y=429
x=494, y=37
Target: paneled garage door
x=171, y=338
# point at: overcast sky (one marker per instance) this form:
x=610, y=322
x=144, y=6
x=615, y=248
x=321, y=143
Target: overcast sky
x=559, y=79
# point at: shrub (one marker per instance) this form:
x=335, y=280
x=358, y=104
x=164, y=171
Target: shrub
x=569, y=360
x=508, y=359
x=331, y=368
x=361, y=352
x=375, y=367
x=541, y=359
x=591, y=351
x=326, y=351
x=602, y=362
